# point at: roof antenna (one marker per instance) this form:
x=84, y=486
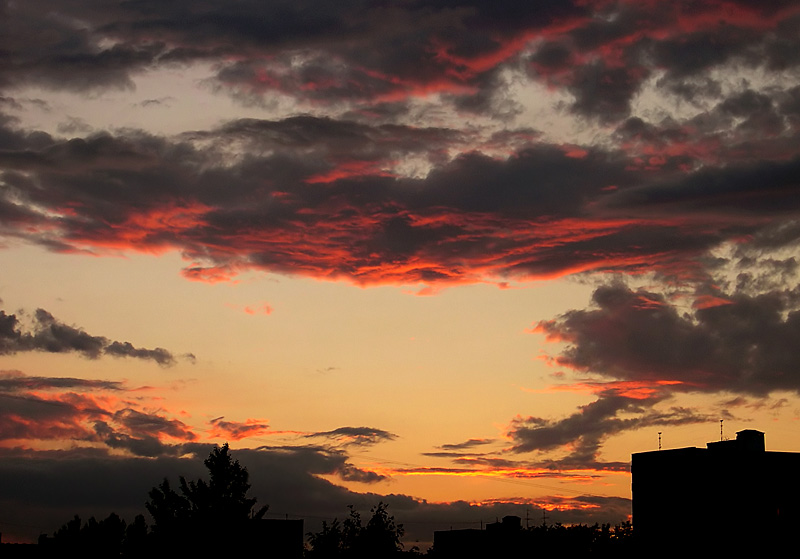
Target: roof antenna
x=659, y=440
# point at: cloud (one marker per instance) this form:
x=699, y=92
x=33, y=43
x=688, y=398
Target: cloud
x=744, y=346
x=399, y=150
x=45, y=488
x=471, y=443
x=584, y=432
x=659, y=202
x=29, y=417
x=16, y=381
x=367, y=55
x=236, y=430
x=355, y=436
x=47, y=409
x=52, y=336
x=144, y=445
x=151, y=424
x=126, y=349
x=727, y=330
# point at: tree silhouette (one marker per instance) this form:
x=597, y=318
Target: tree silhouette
x=329, y=542
x=110, y=537
x=207, y=516
x=352, y=540
x=381, y=536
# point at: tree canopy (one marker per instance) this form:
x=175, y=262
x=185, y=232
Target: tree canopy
x=205, y=514
x=351, y=539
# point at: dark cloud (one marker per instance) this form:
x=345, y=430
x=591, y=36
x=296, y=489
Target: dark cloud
x=126, y=349
x=471, y=443
x=46, y=488
x=545, y=210
x=46, y=408
x=356, y=436
x=372, y=222
x=28, y=416
x=740, y=343
x=151, y=424
x=540, y=210
x=371, y=53
x=606, y=92
x=733, y=188
x=16, y=381
x=144, y=445
x=585, y=431
x=332, y=197
x=52, y=336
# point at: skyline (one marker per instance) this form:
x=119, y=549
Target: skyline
x=437, y=254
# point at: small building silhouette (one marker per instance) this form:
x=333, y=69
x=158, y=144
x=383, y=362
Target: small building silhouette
x=499, y=539
x=280, y=537
x=731, y=495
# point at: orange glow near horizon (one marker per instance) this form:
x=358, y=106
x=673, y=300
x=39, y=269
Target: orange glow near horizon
x=505, y=473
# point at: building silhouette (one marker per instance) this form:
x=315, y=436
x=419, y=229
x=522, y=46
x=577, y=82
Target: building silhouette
x=279, y=537
x=499, y=539
x=731, y=496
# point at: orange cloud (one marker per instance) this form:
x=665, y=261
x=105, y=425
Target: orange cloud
x=636, y=389
x=235, y=430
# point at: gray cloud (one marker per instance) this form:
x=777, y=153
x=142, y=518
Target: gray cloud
x=544, y=211
x=144, y=445
x=364, y=52
x=51, y=408
x=16, y=381
x=27, y=416
x=355, y=436
x=471, y=443
x=585, y=430
x=744, y=344
x=126, y=349
x=151, y=424
x=46, y=488
x=52, y=336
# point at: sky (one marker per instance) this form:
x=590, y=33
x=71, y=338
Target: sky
x=462, y=257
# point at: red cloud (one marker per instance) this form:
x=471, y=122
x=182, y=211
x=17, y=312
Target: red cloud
x=98, y=415
x=263, y=308
x=234, y=430
x=637, y=390
x=708, y=301
x=348, y=169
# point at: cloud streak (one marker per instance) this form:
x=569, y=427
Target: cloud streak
x=355, y=436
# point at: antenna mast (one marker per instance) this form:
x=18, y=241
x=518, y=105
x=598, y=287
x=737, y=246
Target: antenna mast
x=720, y=429
x=659, y=440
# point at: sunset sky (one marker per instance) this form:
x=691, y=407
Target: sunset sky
x=464, y=257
